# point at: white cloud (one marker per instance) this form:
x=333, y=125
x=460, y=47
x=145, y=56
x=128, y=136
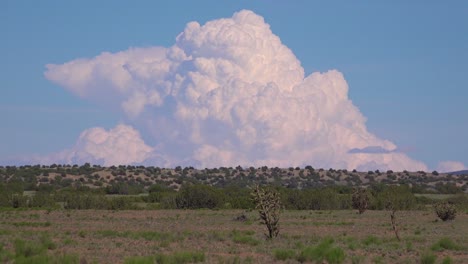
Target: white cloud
x=119, y=146
x=228, y=93
x=450, y=166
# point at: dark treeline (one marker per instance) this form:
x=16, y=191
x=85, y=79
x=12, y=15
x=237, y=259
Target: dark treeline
x=195, y=196
x=138, y=187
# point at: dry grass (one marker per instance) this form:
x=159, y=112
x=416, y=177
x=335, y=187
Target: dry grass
x=110, y=237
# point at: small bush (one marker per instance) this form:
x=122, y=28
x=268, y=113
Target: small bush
x=428, y=258
x=284, y=254
x=357, y=259
x=360, y=200
x=188, y=257
x=27, y=249
x=371, y=240
x=445, y=211
x=245, y=239
x=335, y=255
x=445, y=243
x=447, y=260
x=323, y=251
x=48, y=243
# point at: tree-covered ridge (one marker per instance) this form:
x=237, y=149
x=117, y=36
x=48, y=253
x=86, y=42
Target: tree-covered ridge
x=139, y=187
x=137, y=179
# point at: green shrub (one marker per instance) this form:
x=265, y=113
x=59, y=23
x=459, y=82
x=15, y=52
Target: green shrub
x=188, y=257
x=199, y=196
x=447, y=260
x=321, y=252
x=48, y=243
x=284, y=254
x=357, y=259
x=428, y=258
x=360, y=200
x=445, y=243
x=27, y=248
x=244, y=239
x=140, y=260
x=445, y=211
x=335, y=255
x=371, y=240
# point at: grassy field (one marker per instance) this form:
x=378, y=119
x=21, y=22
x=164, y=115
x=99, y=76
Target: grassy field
x=177, y=236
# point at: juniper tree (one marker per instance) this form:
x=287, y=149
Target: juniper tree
x=361, y=199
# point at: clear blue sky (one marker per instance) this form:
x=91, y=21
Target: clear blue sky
x=406, y=62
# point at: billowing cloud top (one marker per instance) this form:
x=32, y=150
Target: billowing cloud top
x=229, y=93
x=120, y=145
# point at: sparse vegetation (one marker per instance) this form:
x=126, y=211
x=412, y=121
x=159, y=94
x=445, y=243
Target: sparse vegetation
x=361, y=198
x=79, y=214
x=445, y=211
x=268, y=204
x=101, y=236
x=323, y=251
x=445, y=244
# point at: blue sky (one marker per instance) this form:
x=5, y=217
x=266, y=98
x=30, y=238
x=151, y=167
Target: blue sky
x=406, y=63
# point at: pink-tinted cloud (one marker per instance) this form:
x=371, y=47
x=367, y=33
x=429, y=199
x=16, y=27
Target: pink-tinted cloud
x=120, y=145
x=229, y=93
x=450, y=166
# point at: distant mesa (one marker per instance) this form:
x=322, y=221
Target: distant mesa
x=462, y=172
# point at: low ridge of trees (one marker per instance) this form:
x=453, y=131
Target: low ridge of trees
x=91, y=186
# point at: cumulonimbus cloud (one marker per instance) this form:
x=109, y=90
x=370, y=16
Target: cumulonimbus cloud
x=229, y=93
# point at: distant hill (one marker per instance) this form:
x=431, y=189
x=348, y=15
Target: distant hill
x=141, y=177
x=462, y=172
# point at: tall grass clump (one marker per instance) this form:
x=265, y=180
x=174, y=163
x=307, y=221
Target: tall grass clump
x=244, y=237
x=445, y=244
x=447, y=260
x=428, y=258
x=323, y=251
x=284, y=254
x=36, y=252
x=28, y=249
x=371, y=240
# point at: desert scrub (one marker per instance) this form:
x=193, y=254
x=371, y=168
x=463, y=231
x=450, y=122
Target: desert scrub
x=36, y=252
x=428, y=258
x=323, y=251
x=445, y=244
x=146, y=235
x=371, y=240
x=31, y=224
x=360, y=200
x=445, y=211
x=447, y=260
x=175, y=258
x=284, y=254
x=351, y=243
x=244, y=237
